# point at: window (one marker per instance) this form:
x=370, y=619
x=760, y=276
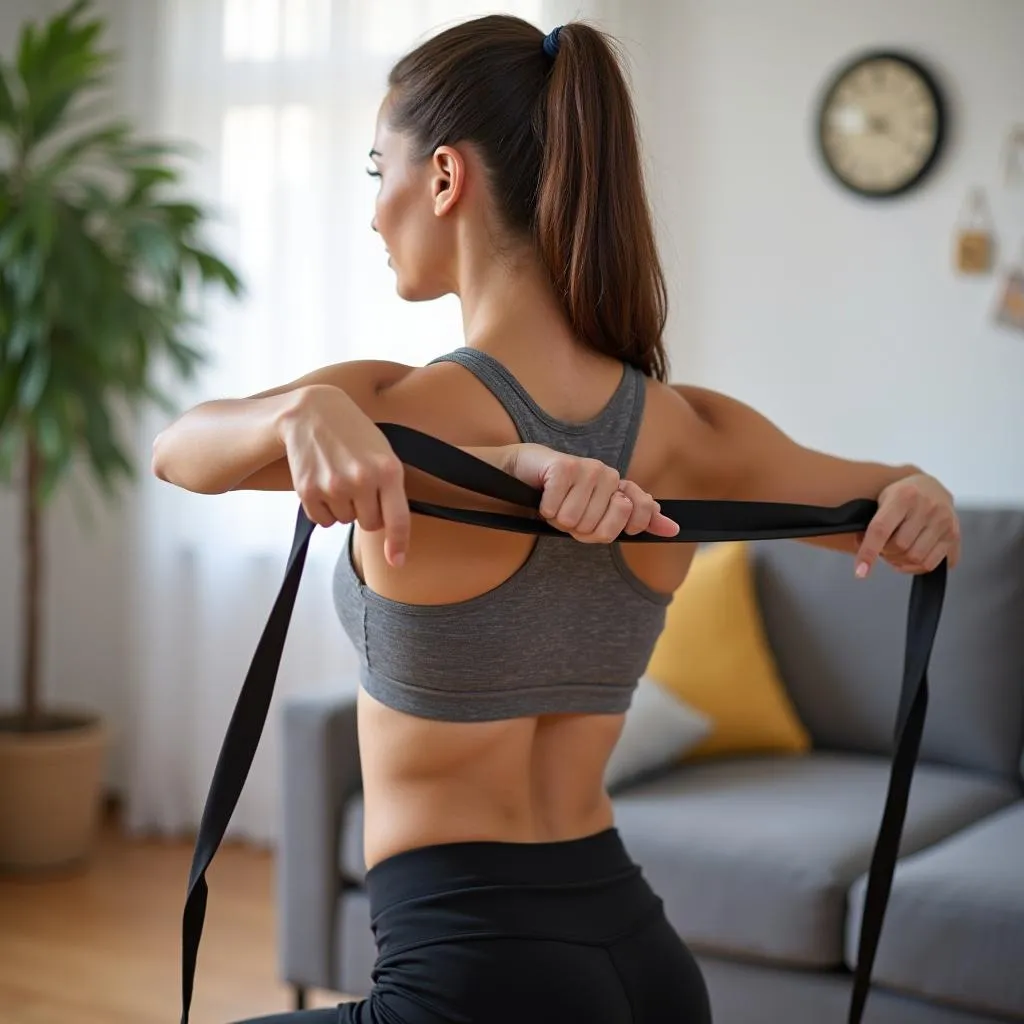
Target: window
x=281, y=96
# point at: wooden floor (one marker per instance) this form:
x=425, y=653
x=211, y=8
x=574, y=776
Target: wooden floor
x=102, y=945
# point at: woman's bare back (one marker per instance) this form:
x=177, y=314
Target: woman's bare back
x=533, y=779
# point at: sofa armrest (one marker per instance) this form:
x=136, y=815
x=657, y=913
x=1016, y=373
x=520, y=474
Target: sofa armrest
x=320, y=774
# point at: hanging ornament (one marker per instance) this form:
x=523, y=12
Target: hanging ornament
x=1013, y=158
x=1010, y=305
x=974, y=243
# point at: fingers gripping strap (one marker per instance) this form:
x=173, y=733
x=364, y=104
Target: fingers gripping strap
x=698, y=521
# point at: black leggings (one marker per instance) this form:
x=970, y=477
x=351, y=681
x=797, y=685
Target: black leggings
x=509, y=933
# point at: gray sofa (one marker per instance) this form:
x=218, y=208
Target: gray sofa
x=761, y=861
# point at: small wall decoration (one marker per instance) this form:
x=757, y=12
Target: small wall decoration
x=1010, y=309
x=974, y=244
x=1013, y=158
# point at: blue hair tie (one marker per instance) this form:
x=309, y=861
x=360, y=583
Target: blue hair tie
x=551, y=42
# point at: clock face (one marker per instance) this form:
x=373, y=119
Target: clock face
x=881, y=124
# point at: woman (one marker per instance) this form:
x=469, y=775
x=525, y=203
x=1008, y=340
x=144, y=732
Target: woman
x=496, y=667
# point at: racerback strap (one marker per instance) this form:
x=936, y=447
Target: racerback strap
x=699, y=521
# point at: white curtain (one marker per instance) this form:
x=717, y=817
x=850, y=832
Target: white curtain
x=280, y=98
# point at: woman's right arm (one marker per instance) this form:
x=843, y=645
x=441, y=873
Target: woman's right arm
x=318, y=436
x=227, y=443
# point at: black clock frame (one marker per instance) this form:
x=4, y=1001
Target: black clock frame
x=935, y=91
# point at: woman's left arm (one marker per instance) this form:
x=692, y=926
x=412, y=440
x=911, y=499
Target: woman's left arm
x=751, y=459
x=582, y=497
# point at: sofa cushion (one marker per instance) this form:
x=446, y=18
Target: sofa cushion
x=657, y=730
x=954, y=927
x=839, y=645
x=743, y=992
x=714, y=656
x=756, y=856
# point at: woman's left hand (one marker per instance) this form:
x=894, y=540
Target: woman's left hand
x=914, y=529
x=586, y=498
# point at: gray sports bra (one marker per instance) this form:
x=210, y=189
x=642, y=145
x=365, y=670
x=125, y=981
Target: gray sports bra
x=572, y=630
x=430, y=633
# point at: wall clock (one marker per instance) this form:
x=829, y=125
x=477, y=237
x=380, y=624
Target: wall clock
x=881, y=124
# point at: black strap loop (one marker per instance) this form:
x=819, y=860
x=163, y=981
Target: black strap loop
x=699, y=521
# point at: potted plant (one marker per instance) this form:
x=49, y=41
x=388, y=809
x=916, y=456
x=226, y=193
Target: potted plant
x=101, y=267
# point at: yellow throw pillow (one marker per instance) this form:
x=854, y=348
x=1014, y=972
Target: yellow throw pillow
x=714, y=655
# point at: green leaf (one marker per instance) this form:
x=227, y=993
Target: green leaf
x=182, y=215
x=50, y=104
x=8, y=393
x=146, y=179
x=105, y=453
x=42, y=219
x=57, y=64
x=74, y=152
x=154, y=246
x=22, y=336
x=11, y=235
x=56, y=442
x=33, y=381
x=27, y=49
x=8, y=109
x=77, y=268
x=186, y=358
x=42, y=47
x=133, y=152
x=216, y=271
x=25, y=274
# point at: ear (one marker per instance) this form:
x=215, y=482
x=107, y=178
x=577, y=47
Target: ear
x=448, y=179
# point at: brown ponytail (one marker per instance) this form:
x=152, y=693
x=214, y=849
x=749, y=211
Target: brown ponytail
x=559, y=138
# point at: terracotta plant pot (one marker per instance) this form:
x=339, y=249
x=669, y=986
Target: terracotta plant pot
x=51, y=789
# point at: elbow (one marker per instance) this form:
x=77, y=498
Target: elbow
x=164, y=465
x=158, y=459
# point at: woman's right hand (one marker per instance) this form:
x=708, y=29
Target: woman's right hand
x=343, y=469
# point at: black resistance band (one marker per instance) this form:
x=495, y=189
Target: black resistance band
x=698, y=521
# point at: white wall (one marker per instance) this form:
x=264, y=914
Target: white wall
x=839, y=318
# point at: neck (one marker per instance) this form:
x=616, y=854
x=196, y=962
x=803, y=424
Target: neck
x=510, y=310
